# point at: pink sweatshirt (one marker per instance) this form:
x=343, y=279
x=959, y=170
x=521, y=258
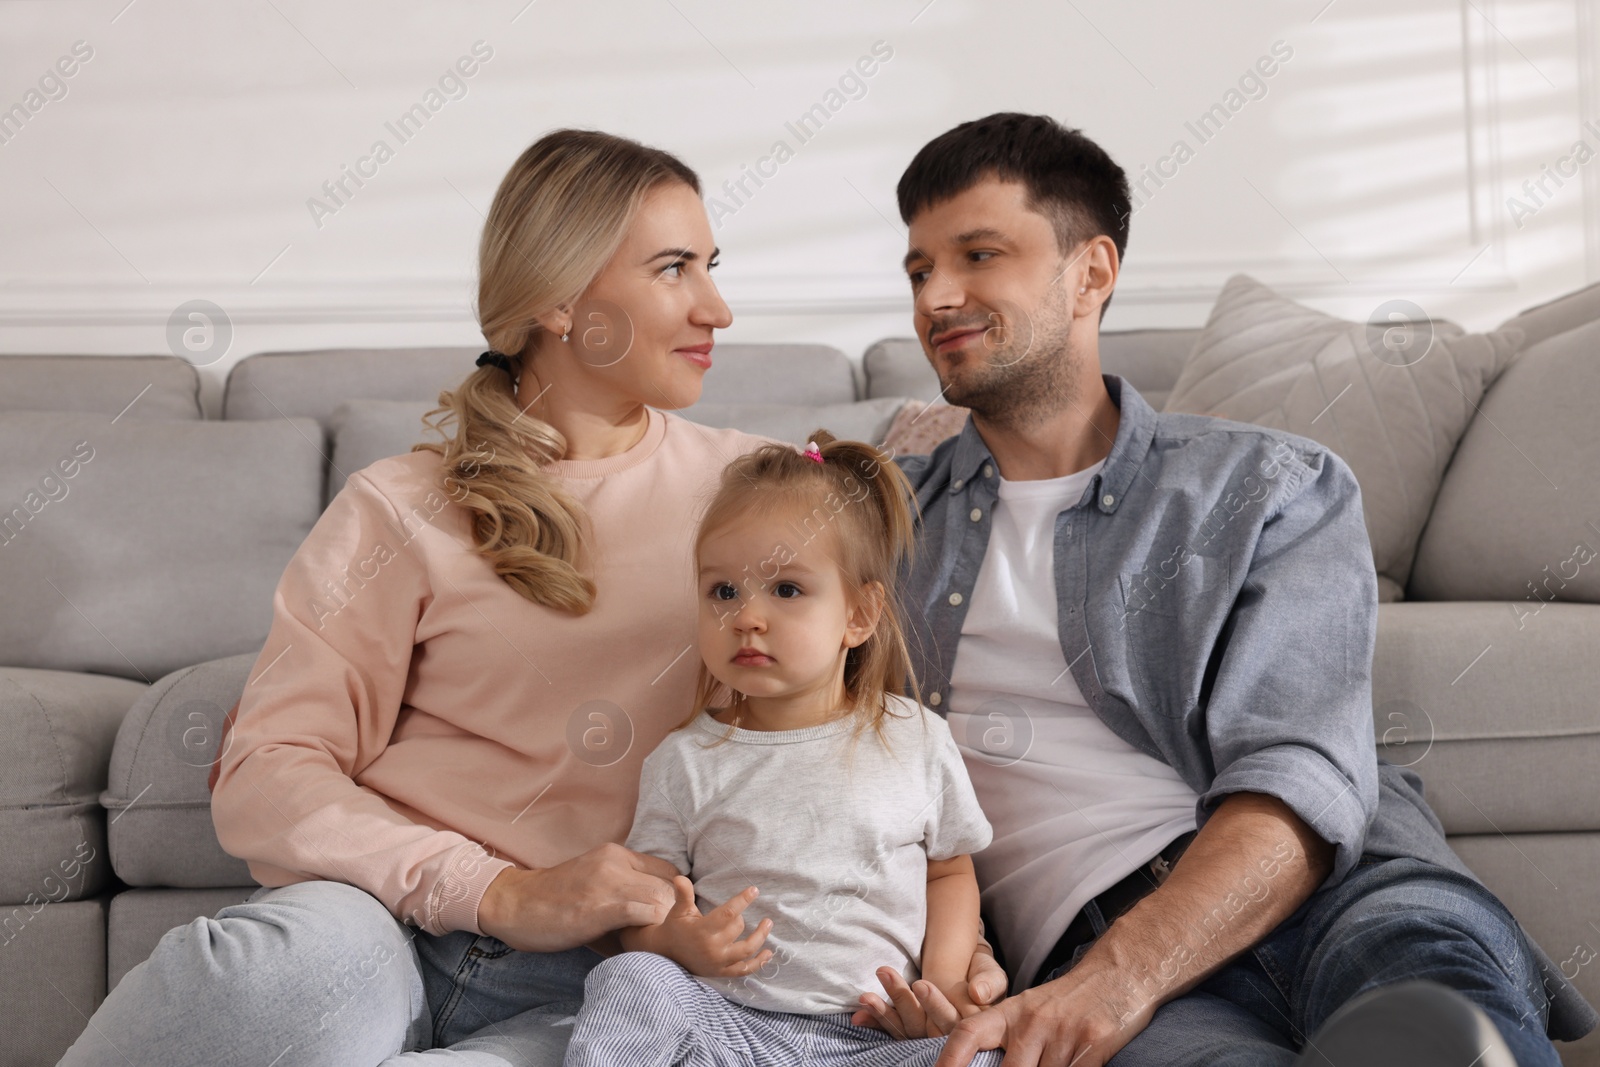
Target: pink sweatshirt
x=414, y=726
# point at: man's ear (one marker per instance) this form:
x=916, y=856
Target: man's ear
x=1096, y=271
x=864, y=614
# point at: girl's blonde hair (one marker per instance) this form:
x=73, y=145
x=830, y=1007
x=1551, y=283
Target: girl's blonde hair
x=860, y=495
x=558, y=217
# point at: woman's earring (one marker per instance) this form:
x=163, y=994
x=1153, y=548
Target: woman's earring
x=567, y=333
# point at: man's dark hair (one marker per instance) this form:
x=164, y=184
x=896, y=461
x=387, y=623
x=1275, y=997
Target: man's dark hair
x=1070, y=179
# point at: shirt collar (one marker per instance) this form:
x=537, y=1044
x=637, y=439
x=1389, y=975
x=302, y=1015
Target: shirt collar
x=1135, y=429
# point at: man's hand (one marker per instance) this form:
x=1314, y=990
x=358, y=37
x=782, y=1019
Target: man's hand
x=707, y=945
x=923, y=1009
x=1254, y=859
x=1083, y=1018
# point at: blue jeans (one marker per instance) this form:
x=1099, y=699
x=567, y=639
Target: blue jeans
x=320, y=973
x=1390, y=920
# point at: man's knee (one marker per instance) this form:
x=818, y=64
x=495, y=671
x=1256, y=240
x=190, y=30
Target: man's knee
x=1440, y=927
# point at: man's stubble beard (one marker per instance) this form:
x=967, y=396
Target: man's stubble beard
x=1025, y=381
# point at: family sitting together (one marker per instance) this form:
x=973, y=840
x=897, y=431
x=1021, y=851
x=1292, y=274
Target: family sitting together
x=650, y=743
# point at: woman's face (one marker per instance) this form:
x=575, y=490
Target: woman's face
x=644, y=326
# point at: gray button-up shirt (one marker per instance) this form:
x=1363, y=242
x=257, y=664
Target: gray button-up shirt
x=1217, y=606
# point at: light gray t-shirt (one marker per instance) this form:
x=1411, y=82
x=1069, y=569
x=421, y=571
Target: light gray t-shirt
x=839, y=852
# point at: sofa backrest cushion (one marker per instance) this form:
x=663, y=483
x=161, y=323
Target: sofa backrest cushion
x=1150, y=360
x=1516, y=518
x=1568, y=312
x=311, y=384
x=810, y=375
x=134, y=548
x=134, y=387
x=859, y=420
x=365, y=431
x=273, y=385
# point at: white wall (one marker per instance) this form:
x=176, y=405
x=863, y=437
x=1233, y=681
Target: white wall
x=1378, y=161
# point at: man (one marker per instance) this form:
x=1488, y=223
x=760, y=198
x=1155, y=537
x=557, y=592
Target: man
x=1153, y=635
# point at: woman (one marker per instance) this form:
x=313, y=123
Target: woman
x=470, y=656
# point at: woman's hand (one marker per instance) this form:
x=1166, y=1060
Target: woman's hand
x=925, y=1010
x=707, y=945
x=573, y=903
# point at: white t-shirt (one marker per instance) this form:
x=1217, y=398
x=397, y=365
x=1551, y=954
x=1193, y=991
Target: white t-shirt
x=1075, y=808
x=840, y=854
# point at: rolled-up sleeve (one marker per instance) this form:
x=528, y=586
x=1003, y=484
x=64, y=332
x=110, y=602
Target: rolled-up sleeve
x=1290, y=708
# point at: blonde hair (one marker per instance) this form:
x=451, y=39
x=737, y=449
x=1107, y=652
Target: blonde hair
x=558, y=217
x=870, y=543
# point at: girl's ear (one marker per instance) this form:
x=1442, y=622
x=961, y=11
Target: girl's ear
x=866, y=609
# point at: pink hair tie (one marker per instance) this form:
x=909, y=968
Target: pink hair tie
x=813, y=452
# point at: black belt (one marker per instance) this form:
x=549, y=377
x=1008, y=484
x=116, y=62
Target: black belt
x=1114, y=902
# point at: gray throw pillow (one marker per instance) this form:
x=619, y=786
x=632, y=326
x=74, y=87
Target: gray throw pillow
x=365, y=431
x=1391, y=398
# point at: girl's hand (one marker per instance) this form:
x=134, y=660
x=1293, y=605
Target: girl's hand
x=707, y=945
x=925, y=1010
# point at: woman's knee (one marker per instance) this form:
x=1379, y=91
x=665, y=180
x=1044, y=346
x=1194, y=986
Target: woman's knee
x=317, y=964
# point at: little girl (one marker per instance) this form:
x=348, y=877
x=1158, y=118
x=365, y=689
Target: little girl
x=812, y=795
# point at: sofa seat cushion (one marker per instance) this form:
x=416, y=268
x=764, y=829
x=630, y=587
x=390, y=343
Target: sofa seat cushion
x=1493, y=711
x=1392, y=402
x=160, y=831
x=135, y=547
x=52, y=979
x=1516, y=517
x=56, y=734
x=140, y=918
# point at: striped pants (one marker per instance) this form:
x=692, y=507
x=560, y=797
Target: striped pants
x=643, y=1010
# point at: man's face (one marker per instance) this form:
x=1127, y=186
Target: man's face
x=994, y=302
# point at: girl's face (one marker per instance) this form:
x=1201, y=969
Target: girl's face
x=642, y=330
x=775, y=617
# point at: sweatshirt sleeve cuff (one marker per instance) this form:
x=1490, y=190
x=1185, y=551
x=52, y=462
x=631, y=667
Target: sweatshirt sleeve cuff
x=460, y=894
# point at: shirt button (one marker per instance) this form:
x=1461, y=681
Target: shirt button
x=955, y=599
x=956, y=484
x=1108, y=500
x=977, y=513
x=935, y=700
x=988, y=471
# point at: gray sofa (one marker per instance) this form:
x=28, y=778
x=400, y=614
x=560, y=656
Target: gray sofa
x=139, y=576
